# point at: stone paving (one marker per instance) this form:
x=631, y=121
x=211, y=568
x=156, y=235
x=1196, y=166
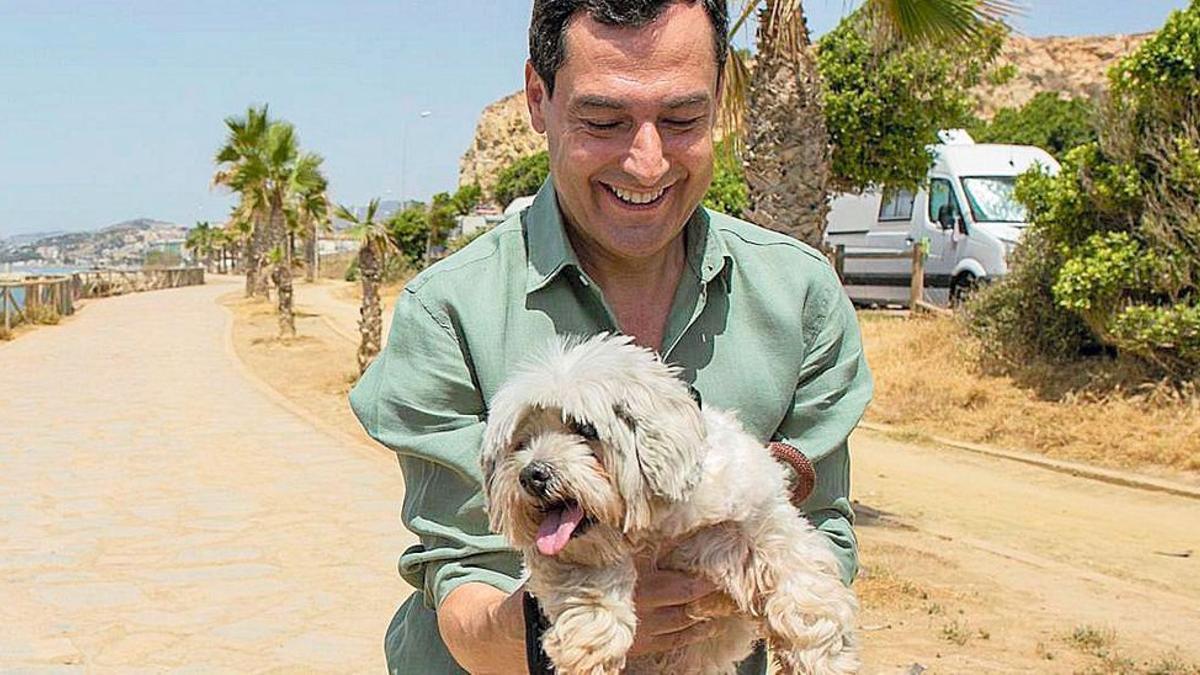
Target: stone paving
x=161, y=512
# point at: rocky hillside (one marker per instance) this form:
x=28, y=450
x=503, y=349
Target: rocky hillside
x=1075, y=66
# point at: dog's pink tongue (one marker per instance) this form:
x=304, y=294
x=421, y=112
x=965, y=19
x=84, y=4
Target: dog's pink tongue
x=555, y=530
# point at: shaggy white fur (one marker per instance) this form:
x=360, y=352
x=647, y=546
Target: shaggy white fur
x=594, y=453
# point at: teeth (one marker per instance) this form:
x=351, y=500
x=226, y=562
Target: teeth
x=637, y=197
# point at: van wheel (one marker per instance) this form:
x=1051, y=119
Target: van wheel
x=962, y=287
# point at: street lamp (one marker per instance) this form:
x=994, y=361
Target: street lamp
x=404, y=152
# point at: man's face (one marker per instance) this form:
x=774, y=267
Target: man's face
x=629, y=129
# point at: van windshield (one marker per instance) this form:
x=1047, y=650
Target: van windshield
x=992, y=199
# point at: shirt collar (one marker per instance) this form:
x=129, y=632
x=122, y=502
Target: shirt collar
x=550, y=252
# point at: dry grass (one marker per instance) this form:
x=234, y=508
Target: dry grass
x=931, y=378
x=315, y=369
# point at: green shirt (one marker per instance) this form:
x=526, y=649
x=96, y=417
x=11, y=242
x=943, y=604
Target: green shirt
x=759, y=324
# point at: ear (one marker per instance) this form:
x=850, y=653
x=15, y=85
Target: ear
x=669, y=441
x=536, y=96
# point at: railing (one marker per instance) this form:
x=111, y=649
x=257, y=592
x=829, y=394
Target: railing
x=60, y=292
x=916, y=289
x=55, y=292
x=103, y=283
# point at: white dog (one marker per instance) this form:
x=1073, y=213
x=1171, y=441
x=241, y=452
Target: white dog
x=596, y=452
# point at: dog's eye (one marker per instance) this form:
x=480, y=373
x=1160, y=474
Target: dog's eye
x=585, y=429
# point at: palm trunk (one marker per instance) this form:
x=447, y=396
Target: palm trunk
x=310, y=251
x=282, y=274
x=788, y=158
x=260, y=243
x=370, y=323
x=251, y=266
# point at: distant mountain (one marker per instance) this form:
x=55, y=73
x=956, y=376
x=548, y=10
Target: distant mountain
x=124, y=243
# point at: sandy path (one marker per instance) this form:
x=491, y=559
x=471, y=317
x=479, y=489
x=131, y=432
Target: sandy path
x=328, y=299
x=1046, y=552
x=158, y=509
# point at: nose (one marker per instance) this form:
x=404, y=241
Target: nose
x=535, y=478
x=645, y=161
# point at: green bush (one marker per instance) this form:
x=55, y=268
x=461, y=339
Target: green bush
x=410, y=231
x=1046, y=121
x=885, y=100
x=1117, y=231
x=1018, y=319
x=522, y=177
x=728, y=192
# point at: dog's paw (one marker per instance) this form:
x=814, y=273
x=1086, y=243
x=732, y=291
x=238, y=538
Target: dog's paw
x=588, y=642
x=826, y=660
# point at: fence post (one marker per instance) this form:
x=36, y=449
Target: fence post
x=4, y=300
x=917, y=290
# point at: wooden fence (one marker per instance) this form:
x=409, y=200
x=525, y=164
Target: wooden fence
x=916, y=290
x=60, y=292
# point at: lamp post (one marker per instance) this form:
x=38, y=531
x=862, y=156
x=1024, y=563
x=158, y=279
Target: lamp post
x=404, y=152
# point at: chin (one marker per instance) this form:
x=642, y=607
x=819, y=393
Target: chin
x=595, y=453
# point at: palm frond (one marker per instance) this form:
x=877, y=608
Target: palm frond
x=940, y=21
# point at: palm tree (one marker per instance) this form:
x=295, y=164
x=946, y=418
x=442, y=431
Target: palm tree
x=261, y=160
x=374, y=244
x=238, y=168
x=201, y=243
x=312, y=216
x=777, y=110
x=288, y=173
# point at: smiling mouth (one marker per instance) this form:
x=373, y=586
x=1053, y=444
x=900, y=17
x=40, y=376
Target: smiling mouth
x=638, y=198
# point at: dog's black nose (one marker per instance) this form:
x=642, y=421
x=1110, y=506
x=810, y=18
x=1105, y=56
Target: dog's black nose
x=535, y=478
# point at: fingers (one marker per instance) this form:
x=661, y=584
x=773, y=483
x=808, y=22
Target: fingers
x=660, y=588
x=693, y=631
x=712, y=606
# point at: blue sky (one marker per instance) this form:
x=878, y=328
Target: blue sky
x=113, y=110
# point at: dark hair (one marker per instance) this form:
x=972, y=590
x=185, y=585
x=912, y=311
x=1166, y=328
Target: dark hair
x=548, y=27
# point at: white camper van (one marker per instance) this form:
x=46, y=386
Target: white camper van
x=966, y=211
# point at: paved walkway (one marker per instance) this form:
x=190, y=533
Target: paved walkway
x=158, y=510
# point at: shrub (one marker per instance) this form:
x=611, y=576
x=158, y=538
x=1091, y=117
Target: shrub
x=1018, y=319
x=728, y=192
x=522, y=177
x=885, y=100
x=1117, y=231
x=42, y=314
x=1047, y=121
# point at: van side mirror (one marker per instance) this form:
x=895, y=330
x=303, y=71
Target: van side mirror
x=947, y=214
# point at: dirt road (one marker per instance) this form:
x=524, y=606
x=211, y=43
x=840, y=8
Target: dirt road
x=1030, y=556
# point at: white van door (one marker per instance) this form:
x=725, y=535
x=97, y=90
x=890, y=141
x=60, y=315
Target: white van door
x=945, y=244
x=887, y=280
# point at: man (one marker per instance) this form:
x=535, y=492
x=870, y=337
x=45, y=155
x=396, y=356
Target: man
x=626, y=92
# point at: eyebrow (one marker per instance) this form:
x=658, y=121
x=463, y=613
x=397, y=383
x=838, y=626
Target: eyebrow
x=606, y=103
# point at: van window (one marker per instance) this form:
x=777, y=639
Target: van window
x=940, y=194
x=897, y=204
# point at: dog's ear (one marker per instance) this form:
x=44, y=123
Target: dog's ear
x=670, y=446
x=666, y=443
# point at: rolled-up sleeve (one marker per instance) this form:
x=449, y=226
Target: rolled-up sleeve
x=833, y=390
x=419, y=399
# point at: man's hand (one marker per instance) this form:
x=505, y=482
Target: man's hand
x=674, y=609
